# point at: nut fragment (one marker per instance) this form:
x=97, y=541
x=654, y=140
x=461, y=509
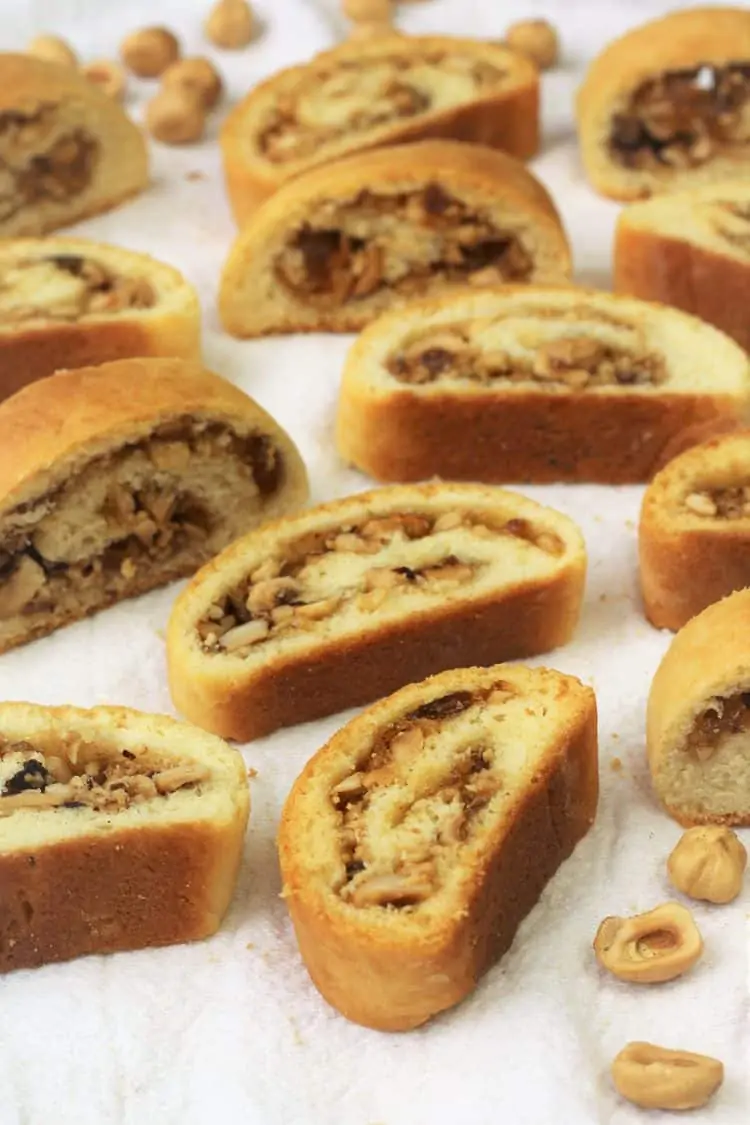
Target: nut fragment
x=649, y=948
x=657, y=1078
x=150, y=51
x=700, y=504
x=108, y=75
x=176, y=116
x=537, y=39
x=230, y=24
x=197, y=74
x=708, y=863
x=248, y=634
x=53, y=49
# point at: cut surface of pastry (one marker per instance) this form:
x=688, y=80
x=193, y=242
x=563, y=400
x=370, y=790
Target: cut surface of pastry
x=69, y=302
x=118, y=830
x=363, y=95
x=350, y=600
x=532, y=383
x=691, y=250
x=415, y=842
x=668, y=105
x=694, y=534
x=119, y=478
x=67, y=150
x=698, y=718
x=338, y=246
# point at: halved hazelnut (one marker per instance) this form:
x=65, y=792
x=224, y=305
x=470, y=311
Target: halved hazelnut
x=649, y=948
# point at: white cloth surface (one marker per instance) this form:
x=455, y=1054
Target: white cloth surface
x=231, y=1031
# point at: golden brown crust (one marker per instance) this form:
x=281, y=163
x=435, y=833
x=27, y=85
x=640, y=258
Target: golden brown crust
x=682, y=39
x=507, y=120
x=392, y=981
x=686, y=562
x=31, y=352
x=396, y=433
x=159, y=882
x=531, y=616
x=482, y=177
x=706, y=659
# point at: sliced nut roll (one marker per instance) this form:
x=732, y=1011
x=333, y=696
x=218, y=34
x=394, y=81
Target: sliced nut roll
x=383, y=91
x=119, y=478
x=415, y=842
x=532, y=383
x=70, y=302
x=343, y=243
x=691, y=250
x=668, y=105
x=350, y=600
x=67, y=149
x=118, y=830
x=698, y=719
x=694, y=534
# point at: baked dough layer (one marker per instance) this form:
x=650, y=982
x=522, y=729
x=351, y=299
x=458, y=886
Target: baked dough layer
x=414, y=843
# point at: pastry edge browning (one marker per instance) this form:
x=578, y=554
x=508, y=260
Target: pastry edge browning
x=119, y=889
x=381, y=982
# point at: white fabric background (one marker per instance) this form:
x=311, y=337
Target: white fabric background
x=231, y=1031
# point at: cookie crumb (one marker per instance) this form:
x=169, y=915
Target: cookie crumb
x=615, y=765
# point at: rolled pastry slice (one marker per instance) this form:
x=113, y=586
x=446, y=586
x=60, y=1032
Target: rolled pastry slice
x=698, y=718
x=119, y=478
x=118, y=830
x=694, y=535
x=526, y=383
x=69, y=302
x=691, y=250
x=415, y=842
x=67, y=150
x=338, y=246
x=668, y=105
x=364, y=95
x=348, y=601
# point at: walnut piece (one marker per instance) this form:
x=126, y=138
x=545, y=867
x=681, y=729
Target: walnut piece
x=658, y=1078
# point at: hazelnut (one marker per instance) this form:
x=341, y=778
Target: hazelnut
x=368, y=11
x=108, y=75
x=537, y=39
x=53, y=49
x=150, y=51
x=197, y=74
x=649, y=948
x=657, y=1078
x=176, y=116
x=230, y=24
x=708, y=863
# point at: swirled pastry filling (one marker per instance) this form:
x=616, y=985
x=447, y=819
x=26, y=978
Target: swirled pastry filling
x=361, y=567
x=73, y=774
x=682, y=118
x=147, y=507
x=42, y=159
x=354, y=96
x=731, y=220
x=405, y=241
x=728, y=503
x=67, y=287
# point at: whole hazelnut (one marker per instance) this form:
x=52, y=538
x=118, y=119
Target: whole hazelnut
x=537, y=39
x=230, y=24
x=708, y=863
x=150, y=51
x=176, y=116
x=108, y=75
x=368, y=11
x=53, y=49
x=197, y=74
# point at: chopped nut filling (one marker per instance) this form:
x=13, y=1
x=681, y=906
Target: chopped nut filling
x=404, y=241
x=720, y=503
x=67, y=287
x=42, y=160
x=682, y=118
x=574, y=362
x=146, y=505
x=324, y=573
x=721, y=718
x=732, y=222
x=366, y=93
x=71, y=774
x=428, y=806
